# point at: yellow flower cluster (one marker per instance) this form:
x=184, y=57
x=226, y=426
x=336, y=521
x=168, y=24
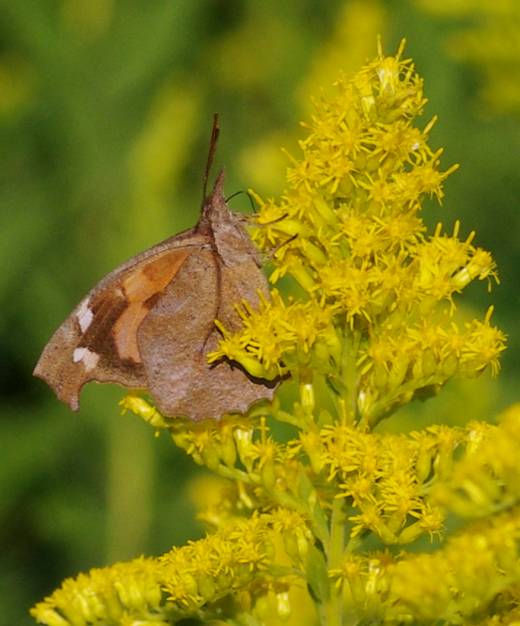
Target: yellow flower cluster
x=421, y=356
x=244, y=451
x=384, y=479
x=206, y=570
x=238, y=563
x=457, y=582
x=378, y=303
x=464, y=576
x=486, y=479
x=396, y=487
x=281, y=336
x=110, y=596
x=402, y=486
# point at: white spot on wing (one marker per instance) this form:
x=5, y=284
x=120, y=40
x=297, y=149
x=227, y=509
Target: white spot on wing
x=84, y=315
x=87, y=357
x=78, y=354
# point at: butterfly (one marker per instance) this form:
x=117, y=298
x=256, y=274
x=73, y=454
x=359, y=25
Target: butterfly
x=149, y=324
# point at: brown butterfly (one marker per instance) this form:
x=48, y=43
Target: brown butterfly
x=149, y=324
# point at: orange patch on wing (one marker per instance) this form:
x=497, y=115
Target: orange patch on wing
x=145, y=281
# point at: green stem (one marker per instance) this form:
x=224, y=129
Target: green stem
x=334, y=609
x=350, y=375
x=280, y=497
x=388, y=404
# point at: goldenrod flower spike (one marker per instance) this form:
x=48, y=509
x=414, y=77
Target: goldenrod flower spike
x=348, y=230
x=336, y=513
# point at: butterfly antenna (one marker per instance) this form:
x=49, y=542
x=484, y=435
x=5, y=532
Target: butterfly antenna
x=277, y=248
x=215, y=130
x=237, y=193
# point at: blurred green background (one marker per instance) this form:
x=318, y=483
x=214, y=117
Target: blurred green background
x=105, y=113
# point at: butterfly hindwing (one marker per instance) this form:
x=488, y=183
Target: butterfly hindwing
x=179, y=379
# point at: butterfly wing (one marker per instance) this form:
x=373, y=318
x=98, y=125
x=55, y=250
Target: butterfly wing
x=98, y=340
x=180, y=380
x=150, y=323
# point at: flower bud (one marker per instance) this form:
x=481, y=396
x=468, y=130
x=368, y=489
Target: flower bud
x=380, y=376
x=283, y=606
x=423, y=464
x=312, y=252
x=398, y=371
x=428, y=363
x=207, y=586
x=143, y=409
x=325, y=210
x=262, y=608
x=210, y=456
x=307, y=399
x=449, y=365
x=385, y=534
x=268, y=475
x=228, y=451
x=254, y=366
x=302, y=276
x=290, y=545
x=410, y=533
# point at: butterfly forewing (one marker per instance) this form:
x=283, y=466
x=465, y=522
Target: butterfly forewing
x=98, y=340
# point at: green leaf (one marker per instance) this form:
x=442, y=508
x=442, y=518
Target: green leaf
x=317, y=576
